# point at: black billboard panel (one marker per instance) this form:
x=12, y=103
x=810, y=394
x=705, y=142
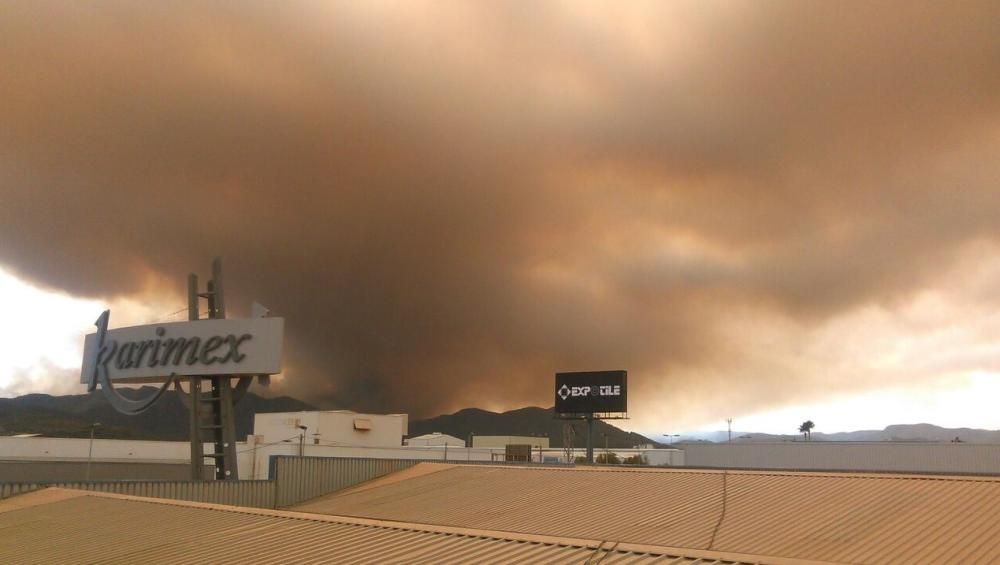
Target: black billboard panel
x=591, y=392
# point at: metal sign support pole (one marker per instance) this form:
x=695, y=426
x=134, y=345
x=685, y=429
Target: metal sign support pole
x=590, y=439
x=215, y=411
x=197, y=449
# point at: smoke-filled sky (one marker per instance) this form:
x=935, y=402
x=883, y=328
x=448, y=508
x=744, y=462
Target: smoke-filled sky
x=750, y=206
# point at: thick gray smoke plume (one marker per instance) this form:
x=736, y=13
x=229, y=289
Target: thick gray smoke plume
x=451, y=201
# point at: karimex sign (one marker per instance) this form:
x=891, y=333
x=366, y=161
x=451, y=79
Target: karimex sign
x=234, y=347
x=591, y=392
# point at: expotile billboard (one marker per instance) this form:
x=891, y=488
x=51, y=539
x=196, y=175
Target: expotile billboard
x=592, y=392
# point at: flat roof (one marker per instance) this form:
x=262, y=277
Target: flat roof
x=831, y=517
x=66, y=526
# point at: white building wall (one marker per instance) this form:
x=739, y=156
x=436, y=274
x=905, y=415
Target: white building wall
x=337, y=427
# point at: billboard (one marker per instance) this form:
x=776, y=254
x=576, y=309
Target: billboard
x=139, y=354
x=591, y=392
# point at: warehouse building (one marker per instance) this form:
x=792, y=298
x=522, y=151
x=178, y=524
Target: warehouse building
x=536, y=442
x=436, y=439
x=773, y=516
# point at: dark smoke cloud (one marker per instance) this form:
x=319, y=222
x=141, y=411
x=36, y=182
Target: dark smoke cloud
x=448, y=202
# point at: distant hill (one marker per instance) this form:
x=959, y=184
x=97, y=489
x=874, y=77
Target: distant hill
x=523, y=422
x=896, y=432
x=72, y=415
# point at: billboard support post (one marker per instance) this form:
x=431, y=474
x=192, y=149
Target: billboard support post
x=590, y=439
x=219, y=406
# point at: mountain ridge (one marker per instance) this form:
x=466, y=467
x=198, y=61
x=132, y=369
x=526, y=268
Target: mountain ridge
x=72, y=416
x=920, y=432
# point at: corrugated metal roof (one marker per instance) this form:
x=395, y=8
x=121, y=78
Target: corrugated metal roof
x=62, y=526
x=834, y=517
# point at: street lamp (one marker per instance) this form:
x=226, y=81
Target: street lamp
x=90, y=451
x=302, y=439
x=668, y=436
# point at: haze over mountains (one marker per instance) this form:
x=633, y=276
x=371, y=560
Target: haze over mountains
x=72, y=416
x=895, y=432
x=167, y=419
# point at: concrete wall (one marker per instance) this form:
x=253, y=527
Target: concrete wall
x=110, y=450
x=65, y=459
x=99, y=471
x=849, y=456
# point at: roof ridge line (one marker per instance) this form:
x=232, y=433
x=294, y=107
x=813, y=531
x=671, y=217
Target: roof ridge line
x=845, y=474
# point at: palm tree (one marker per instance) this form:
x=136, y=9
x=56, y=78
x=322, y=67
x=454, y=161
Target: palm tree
x=806, y=429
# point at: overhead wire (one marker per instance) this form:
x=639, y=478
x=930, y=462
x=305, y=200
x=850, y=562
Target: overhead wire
x=258, y=446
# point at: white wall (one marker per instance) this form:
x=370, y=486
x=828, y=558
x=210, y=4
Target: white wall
x=849, y=456
x=110, y=450
x=335, y=427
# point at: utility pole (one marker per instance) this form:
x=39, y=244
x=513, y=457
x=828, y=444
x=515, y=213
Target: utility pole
x=729, y=423
x=590, y=439
x=302, y=440
x=90, y=452
x=568, y=443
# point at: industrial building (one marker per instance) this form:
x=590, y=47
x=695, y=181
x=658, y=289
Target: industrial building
x=436, y=439
x=332, y=427
x=536, y=442
x=337, y=433
x=350, y=434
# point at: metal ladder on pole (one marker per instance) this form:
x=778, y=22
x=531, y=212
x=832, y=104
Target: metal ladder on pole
x=212, y=413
